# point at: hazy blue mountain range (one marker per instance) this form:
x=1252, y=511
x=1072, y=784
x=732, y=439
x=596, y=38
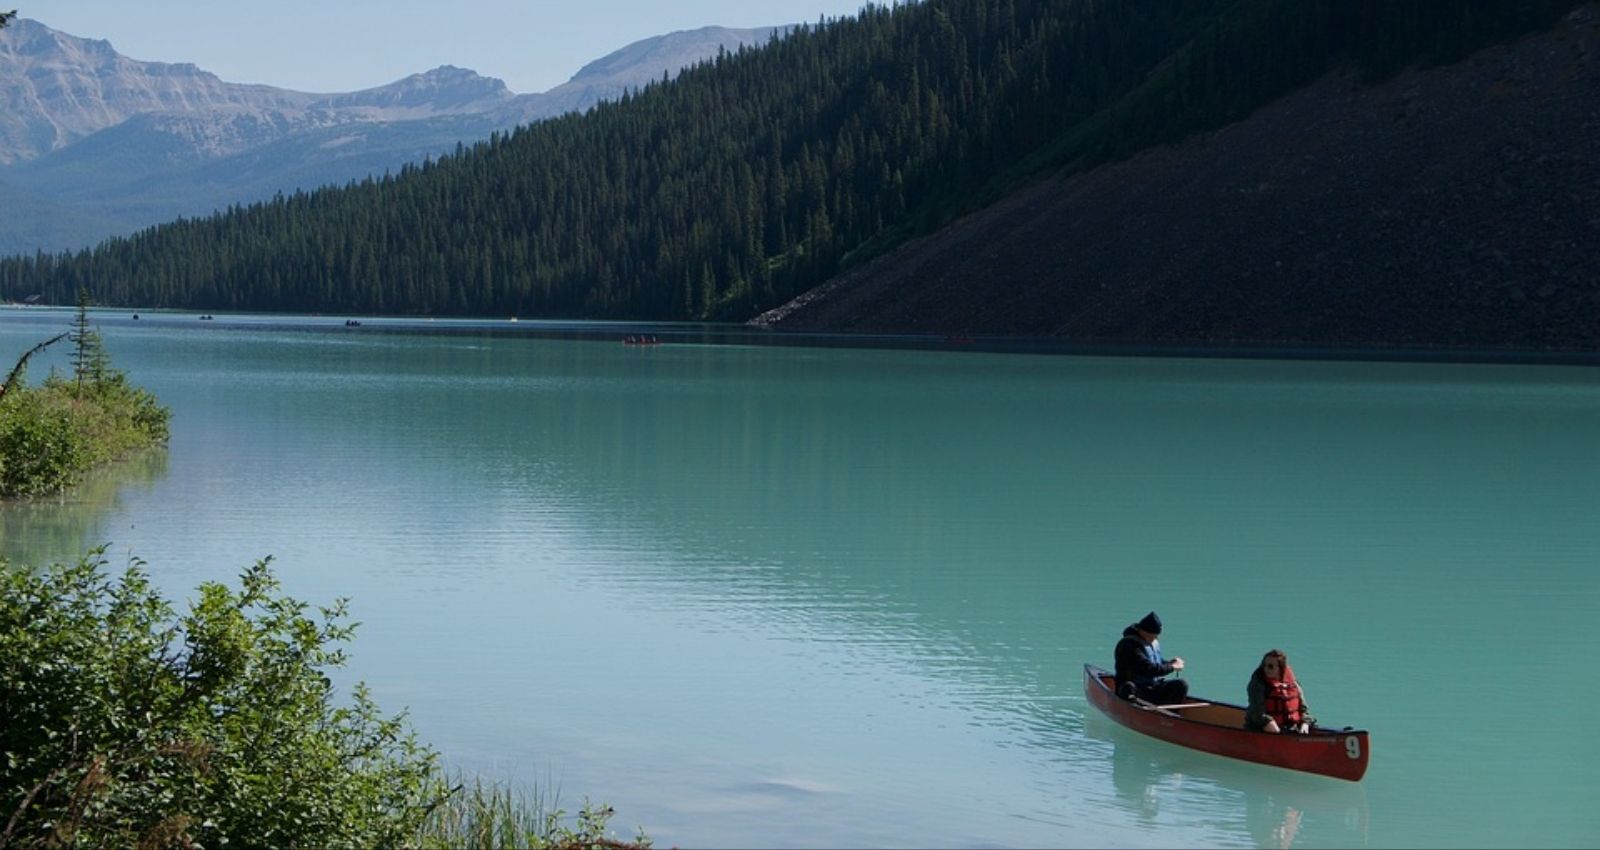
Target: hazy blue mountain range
x=93, y=143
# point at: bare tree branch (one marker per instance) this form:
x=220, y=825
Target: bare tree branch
x=23, y=361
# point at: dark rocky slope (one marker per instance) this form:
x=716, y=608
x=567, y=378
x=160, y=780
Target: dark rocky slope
x=1454, y=208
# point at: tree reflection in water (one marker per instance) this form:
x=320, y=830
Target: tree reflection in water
x=62, y=527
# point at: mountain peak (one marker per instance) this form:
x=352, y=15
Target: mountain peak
x=445, y=90
x=449, y=71
x=28, y=45
x=29, y=38
x=647, y=59
x=60, y=88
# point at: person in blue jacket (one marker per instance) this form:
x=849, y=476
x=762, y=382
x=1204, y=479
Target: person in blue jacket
x=1140, y=667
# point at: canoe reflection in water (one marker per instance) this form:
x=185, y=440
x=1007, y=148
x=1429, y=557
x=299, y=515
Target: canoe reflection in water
x=1168, y=788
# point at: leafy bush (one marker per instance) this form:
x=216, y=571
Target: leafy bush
x=51, y=434
x=41, y=448
x=118, y=416
x=124, y=727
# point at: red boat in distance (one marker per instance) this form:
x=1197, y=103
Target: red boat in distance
x=1218, y=727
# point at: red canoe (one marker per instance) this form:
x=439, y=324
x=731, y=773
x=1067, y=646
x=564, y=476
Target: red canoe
x=1218, y=727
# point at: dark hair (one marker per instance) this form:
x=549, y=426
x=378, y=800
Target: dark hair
x=1261, y=669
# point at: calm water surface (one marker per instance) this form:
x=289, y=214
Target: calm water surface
x=779, y=596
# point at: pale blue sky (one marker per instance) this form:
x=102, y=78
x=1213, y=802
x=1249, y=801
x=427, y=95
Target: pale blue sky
x=346, y=45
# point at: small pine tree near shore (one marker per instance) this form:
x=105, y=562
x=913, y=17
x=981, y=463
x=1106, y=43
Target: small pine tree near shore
x=90, y=364
x=52, y=434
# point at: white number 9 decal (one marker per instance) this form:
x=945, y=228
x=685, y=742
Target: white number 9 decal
x=1352, y=747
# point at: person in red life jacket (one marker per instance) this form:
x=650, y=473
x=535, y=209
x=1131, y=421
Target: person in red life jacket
x=1140, y=667
x=1276, y=702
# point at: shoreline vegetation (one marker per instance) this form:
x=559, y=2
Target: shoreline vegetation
x=127, y=725
x=124, y=725
x=53, y=433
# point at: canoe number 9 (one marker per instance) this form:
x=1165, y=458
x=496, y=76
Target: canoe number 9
x=1352, y=747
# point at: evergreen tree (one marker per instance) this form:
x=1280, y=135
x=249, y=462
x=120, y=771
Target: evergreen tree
x=89, y=361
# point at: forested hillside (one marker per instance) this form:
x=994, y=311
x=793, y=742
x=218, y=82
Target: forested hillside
x=1449, y=211
x=760, y=175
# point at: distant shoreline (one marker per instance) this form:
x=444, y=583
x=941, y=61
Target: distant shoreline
x=1365, y=354
x=696, y=333
x=1224, y=351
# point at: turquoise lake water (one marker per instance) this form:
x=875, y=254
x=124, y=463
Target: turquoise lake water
x=783, y=596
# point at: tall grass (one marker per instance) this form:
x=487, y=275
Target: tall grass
x=491, y=815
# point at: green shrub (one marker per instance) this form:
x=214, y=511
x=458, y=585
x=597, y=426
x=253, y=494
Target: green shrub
x=42, y=447
x=122, y=726
x=53, y=433
x=117, y=416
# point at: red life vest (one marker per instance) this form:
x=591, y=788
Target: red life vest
x=1283, y=702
